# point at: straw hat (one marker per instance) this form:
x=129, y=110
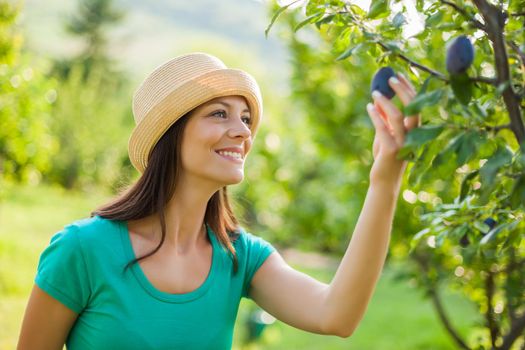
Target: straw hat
x=178, y=86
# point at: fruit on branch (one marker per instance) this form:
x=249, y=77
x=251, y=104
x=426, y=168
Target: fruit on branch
x=490, y=222
x=460, y=55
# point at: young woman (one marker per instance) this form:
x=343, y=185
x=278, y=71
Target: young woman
x=165, y=264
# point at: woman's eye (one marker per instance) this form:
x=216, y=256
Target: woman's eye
x=219, y=112
x=222, y=114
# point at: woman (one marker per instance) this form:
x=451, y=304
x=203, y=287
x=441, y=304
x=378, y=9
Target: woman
x=196, y=121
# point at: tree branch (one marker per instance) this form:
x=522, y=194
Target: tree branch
x=494, y=23
x=509, y=287
x=498, y=127
x=465, y=14
x=486, y=80
x=436, y=301
x=444, y=318
x=489, y=315
x=516, y=330
x=514, y=265
x=415, y=64
x=480, y=79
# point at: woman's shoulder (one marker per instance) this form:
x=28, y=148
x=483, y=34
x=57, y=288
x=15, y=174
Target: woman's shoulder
x=88, y=230
x=248, y=242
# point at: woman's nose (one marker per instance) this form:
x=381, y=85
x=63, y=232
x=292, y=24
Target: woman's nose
x=240, y=128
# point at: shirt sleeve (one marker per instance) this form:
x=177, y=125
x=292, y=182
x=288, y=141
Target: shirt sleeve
x=62, y=270
x=257, y=251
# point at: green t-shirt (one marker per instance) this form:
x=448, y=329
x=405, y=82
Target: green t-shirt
x=83, y=268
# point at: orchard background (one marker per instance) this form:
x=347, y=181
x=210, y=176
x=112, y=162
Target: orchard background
x=454, y=276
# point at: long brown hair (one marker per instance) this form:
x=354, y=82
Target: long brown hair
x=152, y=191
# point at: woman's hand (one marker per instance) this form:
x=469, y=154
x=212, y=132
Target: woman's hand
x=391, y=127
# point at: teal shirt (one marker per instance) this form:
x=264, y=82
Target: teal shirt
x=83, y=268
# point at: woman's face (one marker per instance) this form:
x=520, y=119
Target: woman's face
x=217, y=139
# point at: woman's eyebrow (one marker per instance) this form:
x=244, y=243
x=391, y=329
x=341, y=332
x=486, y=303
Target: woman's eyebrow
x=228, y=105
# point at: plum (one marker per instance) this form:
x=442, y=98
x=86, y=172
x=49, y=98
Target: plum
x=464, y=241
x=460, y=55
x=380, y=82
x=490, y=222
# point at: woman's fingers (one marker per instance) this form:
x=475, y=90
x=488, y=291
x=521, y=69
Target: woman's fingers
x=412, y=122
x=393, y=114
x=406, y=93
x=379, y=124
x=407, y=83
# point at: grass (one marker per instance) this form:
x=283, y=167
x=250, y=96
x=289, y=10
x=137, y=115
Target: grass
x=397, y=316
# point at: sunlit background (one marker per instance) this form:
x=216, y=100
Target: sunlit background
x=305, y=182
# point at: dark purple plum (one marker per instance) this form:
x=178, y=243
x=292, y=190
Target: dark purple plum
x=490, y=222
x=460, y=55
x=380, y=82
x=464, y=241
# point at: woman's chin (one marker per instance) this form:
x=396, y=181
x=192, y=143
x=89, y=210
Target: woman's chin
x=233, y=180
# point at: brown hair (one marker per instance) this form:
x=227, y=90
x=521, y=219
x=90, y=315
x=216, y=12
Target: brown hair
x=152, y=191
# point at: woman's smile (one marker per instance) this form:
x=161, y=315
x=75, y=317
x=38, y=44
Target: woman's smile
x=231, y=156
x=234, y=154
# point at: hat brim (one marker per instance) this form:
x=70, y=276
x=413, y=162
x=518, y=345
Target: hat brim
x=218, y=83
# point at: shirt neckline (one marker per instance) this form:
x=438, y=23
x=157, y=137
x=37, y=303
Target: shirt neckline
x=151, y=289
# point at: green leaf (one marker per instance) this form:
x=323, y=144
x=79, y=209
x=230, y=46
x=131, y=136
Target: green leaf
x=371, y=36
x=392, y=46
x=491, y=236
x=417, y=237
x=349, y=52
x=276, y=14
x=479, y=110
x=465, y=184
x=467, y=149
x=309, y=19
x=425, y=85
x=357, y=10
x=517, y=196
x=378, y=9
x=423, y=134
x=324, y=20
x=399, y=20
x=447, y=26
x=419, y=136
x=482, y=227
x=488, y=171
x=418, y=168
x=444, y=163
x=459, y=231
x=434, y=19
x=422, y=100
x=462, y=87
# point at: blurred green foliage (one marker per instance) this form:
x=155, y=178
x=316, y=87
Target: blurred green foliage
x=26, y=97
x=92, y=115
x=64, y=121
x=91, y=121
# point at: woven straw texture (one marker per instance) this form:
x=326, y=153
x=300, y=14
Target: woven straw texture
x=177, y=87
